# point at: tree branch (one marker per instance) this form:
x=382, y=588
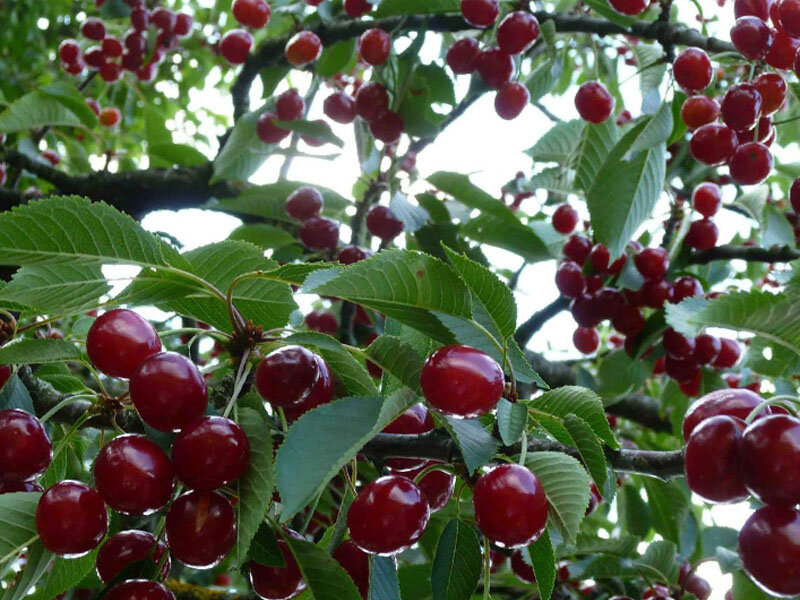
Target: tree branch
x=747, y=253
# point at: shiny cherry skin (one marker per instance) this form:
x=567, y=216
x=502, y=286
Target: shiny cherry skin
x=586, y=340
x=290, y=105
x=737, y=403
x=462, y=56
x=713, y=144
x=593, y=102
x=769, y=545
x=382, y=223
x=287, y=375
x=387, y=126
x=510, y=505
x=741, y=107
x=320, y=234
x=789, y=14
x=585, y=311
x=69, y=51
x=677, y=345
x=375, y=46
x=320, y=394
x=9, y=487
x=692, y=70
x=629, y=7
x=755, y=8
x=268, y=132
x=25, y=449
x=712, y=460
x=517, y=32
x=707, y=348
x=685, y=287
x=707, y=199
x=438, y=487
x=729, y=354
x=480, y=13
x=751, y=163
x=352, y=254
x=769, y=453
x=119, y=340
x=357, y=8
x=128, y=547
x=140, y=589
x=565, y=219
x=656, y=292
x=168, y=391
x=682, y=371
x=752, y=37
x=388, y=516
x=93, y=29
x=303, y=49
x=251, y=13
x=71, y=519
x=235, y=46
x=322, y=322
x=522, y=569
x=356, y=563
x=277, y=583
x=495, y=67
x=569, y=279
x=699, y=110
x=783, y=50
x=511, y=100
x=772, y=88
x=652, y=263
x=201, y=529
x=133, y=475
x=340, y=107
x=304, y=203
x=414, y=421
x=577, y=248
x=702, y=234
x=372, y=99
x=210, y=453
x=462, y=382
x=184, y=23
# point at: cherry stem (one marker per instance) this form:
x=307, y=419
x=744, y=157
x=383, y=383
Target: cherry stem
x=65, y=402
x=784, y=401
x=241, y=377
x=789, y=120
x=487, y=568
x=523, y=452
x=437, y=467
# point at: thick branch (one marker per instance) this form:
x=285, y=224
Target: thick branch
x=747, y=253
x=527, y=330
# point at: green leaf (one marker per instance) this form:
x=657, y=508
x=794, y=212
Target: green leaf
x=72, y=99
x=14, y=394
x=555, y=179
x=35, y=567
x=402, y=284
x=397, y=357
x=511, y=420
x=544, y=78
x=590, y=544
x=509, y=235
x=651, y=131
x=335, y=58
x=312, y=129
x=589, y=448
x=619, y=374
x=388, y=8
x=777, y=230
x=634, y=514
x=415, y=581
x=263, y=235
x=37, y=109
x=323, y=440
x=177, y=154
x=457, y=564
x=477, y=446
x=592, y=150
x=57, y=289
x=581, y=402
x=543, y=561
x=658, y=562
x=566, y=485
x=243, y=152
x=45, y=350
x=383, y=582
x=462, y=189
x=412, y=216
x=256, y=484
x=668, y=507
x=559, y=143
x=67, y=573
x=651, y=73
x=17, y=522
x=325, y=577
x=264, y=548
x=744, y=588
x=754, y=201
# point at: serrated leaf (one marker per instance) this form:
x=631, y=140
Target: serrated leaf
x=543, y=561
x=264, y=548
x=655, y=130
x=57, y=289
x=383, y=582
x=589, y=544
x=511, y=420
x=388, y=8
x=477, y=446
x=462, y=189
x=509, y=235
x=269, y=201
x=457, y=563
x=544, y=78
x=323, y=440
x=44, y=350
x=256, y=484
x=72, y=99
x=776, y=230
x=14, y=394
x=579, y=401
x=177, y=154
x=668, y=507
x=325, y=577
x=619, y=374
x=651, y=73
x=594, y=147
x=37, y=109
x=658, y=562
x=559, y=143
x=753, y=201
x=38, y=560
x=397, y=357
x=67, y=573
x=555, y=179
x=566, y=485
x=634, y=514
x=243, y=152
x=589, y=448
x=412, y=216
x=17, y=522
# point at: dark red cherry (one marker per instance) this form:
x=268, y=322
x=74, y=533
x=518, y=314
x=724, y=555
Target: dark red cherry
x=93, y=29
x=517, y=32
x=728, y=355
x=304, y=203
x=741, y=107
x=629, y=7
x=769, y=454
x=752, y=37
x=586, y=340
x=183, y=25
x=789, y=14
x=600, y=258
x=25, y=449
x=340, y=107
x=71, y=519
x=9, y=487
x=585, y=310
x=303, y=49
x=140, y=589
x=438, y=486
x=110, y=72
x=268, y=132
x=388, y=516
x=133, y=475
x=462, y=55
x=652, y=263
x=783, y=50
x=290, y=105
x=480, y=13
x=629, y=321
x=510, y=505
x=320, y=394
x=769, y=545
x=235, y=46
x=794, y=197
x=707, y=198
x=356, y=563
x=319, y=234
x=712, y=460
x=699, y=110
x=352, y=254
x=461, y=381
x=772, y=88
x=119, y=341
x=609, y=302
x=577, y=248
x=522, y=569
x=593, y=102
x=357, y=8
x=686, y=287
x=387, y=126
x=382, y=223
x=201, y=529
x=372, y=100
x=569, y=279
x=713, y=144
x=375, y=46
x=323, y=322
x=692, y=70
x=702, y=234
x=677, y=345
x=511, y=100
x=277, y=583
x=656, y=292
x=495, y=67
x=163, y=19
x=707, y=348
x=168, y=391
x=287, y=375
x=127, y=547
x=416, y=420
x=210, y=452
x=112, y=47
x=681, y=371
x=565, y=218
x=251, y=13
x=69, y=51
x=751, y=163
x=755, y=8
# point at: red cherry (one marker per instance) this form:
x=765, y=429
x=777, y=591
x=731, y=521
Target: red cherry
x=510, y=506
x=109, y=116
x=140, y=19
x=235, y=46
x=278, y=583
x=128, y=547
x=25, y=449
x=712, y=460
x=183, y=25
x=702, y=234
x=462, y=382
x=119, y=341
x=495, y=67
x=71, y=519
x=93, y=29
x=511, y=100
x=94, y=57
x=681, y=371
x=374, y=46
x=577, y=248
x=565, y=218
x=769, y=452
x=769, y=545
x=522, y=569
x=320, y=394
x=210, y=453
x=609, y=302
x=251, y=13
x=382, y=223
x=290, y=105
x=9, y=487
x=652, y=263
x=772, y=88
x=480, y=13
x=707, y=198
x=707, y=348
x=794, y=195
x=268, y=132
x=517, y=32
x=75, y=68
x=110, y=72
x=585, y=310
x=415, y=421
x=69, y=51
x=201, y=529
x=569, y=279
x=782, y=51
x=51, y=156
x=112, y=47
x=789, y=14
x=438, y=486
x=163, y=19
x=352, y=254
x=357, y=8
x=629, y=7
x=462, y=56
x=133, y=475
x=388, y=516
x=168, y=391
x=733, y=403
x=586, y=340
x=741, y=107
x=593, y=102
x=319, y=234
x=304, y=203
x=692, y=70
x=303, y=49
x=756, y=8
x=691, y=388
x=599, y=258
x=713, y=144
x=139, y=589
x=372, y=100
x=656, y=292
x=677, y=345
x=629, y=321
x=287, y=375
x=751, y=163
x=146, y=73
x=322, y=322
x=340, y=107
x=728, y=355
x=752, y=37
x=699, y=110
x=387, y=126
x=686, y=287
x=356, y=563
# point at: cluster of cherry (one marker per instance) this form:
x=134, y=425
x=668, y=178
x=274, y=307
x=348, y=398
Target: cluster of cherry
x=738, y=446
x=111, y=56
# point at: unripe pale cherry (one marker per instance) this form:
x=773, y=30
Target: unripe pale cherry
x=692, y=70
x=303, y=49
x=593, y=102
x=109, y=116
